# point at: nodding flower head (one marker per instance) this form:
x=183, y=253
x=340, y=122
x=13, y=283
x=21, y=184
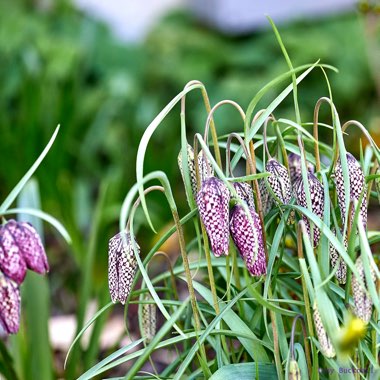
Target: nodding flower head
x=245, y=193
x=317, y=201
x=357, y=187
x=21, y=248
x=266, y=197
x=295, y=169
x=213, y=199
x=122, y=265
x=327, y=348
x=148, y=323
x=336, y=260
x=10, y=305
x=279, y=181
x=248, y=239
x=205, y=168
x=362, y=300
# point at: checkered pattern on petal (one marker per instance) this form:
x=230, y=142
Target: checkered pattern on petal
x=149, y=313
x=327, y=348
x=265, y=196
x=335, y=259
x=357, y=185
x=295, y=168
x=12, y=262
x=362, y=300
x=245, y=193
x=122, y=265
x=10, y=305
x=213, y=201
x=317, y=201
x=279, y=180
x=248, y=239
x=30, y=246
x=204, y=164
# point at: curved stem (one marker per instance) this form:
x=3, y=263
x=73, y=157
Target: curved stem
x=206, y=101
x=265, y=135
x=228, y=153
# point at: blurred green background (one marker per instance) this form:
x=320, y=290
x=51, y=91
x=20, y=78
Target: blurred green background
x=58, y=66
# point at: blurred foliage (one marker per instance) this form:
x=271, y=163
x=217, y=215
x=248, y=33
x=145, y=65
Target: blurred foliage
x=61, y=67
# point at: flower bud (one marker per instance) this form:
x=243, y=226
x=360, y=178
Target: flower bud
x=295, y=167
x=149, y=313
x=122, y=265
x=248, y=239
x=10, y=305
x=213, y=200
x=205, y=168
x=357, y=186
x=362, y=300
x=335, y=260
x=245, y=193
x=327, y=348
x=294, y=372
x=317, y=201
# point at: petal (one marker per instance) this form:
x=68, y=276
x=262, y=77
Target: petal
x=10, y=305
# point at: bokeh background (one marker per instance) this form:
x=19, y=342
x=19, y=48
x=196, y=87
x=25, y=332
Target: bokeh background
x=103, y=71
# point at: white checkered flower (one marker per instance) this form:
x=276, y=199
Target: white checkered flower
x=213, y=199
x=248, y=239
x=244, y=193
x=149, y=316
x=327, y=348
x=205, y=168
x=335, y=259
x=295, y=167
x=357, y=186
x=362, y=300
x=317, y=201
x=122, y=265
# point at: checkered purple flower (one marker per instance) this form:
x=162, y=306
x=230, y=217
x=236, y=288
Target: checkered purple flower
x=248, y=239
x=317, y=201
x=122, y=265
x=336, y=260
x=10, y=305
x=21, y=248
x=357, y=186
x=205, y=168
x=295, y=167
x=245, y=193
x=213, y=199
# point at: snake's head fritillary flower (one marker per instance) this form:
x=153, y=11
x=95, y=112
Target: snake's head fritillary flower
x=12, y=262
x=295, y=168
x=205, y=168
x=327, y=348
x=279, y=180
x=294, y=370
x=357, y=187
x=362, y=300
x=30, y=245
x=266, y=197
x=245, y=193
x=336, y=260
x=248, y=239
x=122, y=265
x=317, y=198
x=10, y=305
x=213, y=199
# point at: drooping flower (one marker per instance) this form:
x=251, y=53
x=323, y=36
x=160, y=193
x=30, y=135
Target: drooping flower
x=212, y=200
x=327, y=348
x=248, y=239
x=205, y=168
x=244, y=192
x=266, y=197
x=122, y=265
x=294, y=370
x=362, y=300
x=279, y=180
x=30, y=245
x=357, y=187
x=295, y=167
x=335, y=259
x=10, y=305
x=317, y=202
x=149, y=312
